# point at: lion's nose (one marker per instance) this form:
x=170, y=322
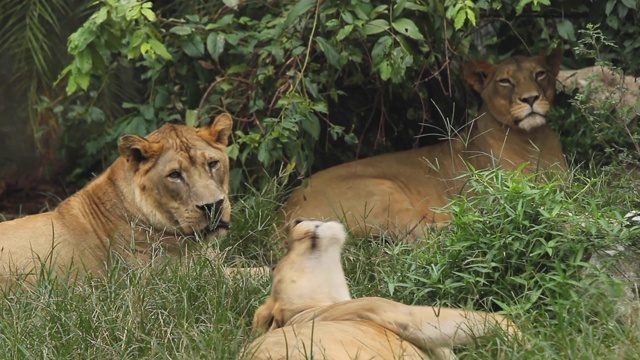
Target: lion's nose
x=530, y=99
x=211, y=209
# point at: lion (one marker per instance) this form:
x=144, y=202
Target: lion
x=400, y=192
x=602, y=84
x=163, y=190
x=310, y=313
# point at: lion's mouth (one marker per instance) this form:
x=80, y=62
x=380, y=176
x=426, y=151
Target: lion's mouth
x=215, y=227
x=531, y=121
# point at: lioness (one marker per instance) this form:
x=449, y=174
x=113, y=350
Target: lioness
x=398, y=191
x=310, y=314
x=602, y=85
x=170, y=184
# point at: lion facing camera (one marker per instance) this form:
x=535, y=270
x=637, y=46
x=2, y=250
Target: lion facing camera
x=401, y=192
x=170, y=185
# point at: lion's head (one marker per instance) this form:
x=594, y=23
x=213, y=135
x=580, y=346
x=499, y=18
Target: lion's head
x=181, y=176
x=519, y=90
x=309, y=275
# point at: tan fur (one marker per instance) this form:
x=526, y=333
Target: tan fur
x=399, y=191
x=602, y=84
x=149, y=200
x=310, y=311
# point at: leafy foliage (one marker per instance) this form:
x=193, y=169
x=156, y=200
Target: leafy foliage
x=600, y=128
x=296, y=74
x=513, y=244
x=301, y=74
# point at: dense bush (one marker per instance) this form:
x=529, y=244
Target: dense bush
x=311, y=83
x=513, y=244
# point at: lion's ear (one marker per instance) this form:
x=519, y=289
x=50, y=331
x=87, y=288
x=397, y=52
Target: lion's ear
x=476, y=74
x=218, y=132
x=137, y=148
x=553, y=60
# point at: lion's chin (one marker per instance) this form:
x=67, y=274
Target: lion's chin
x=215, y=228
x=532, y=121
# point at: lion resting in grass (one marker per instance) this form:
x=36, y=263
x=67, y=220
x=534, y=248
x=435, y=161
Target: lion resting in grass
x=310, y=314
x=165, y=188
x=602, y=85
x=398, y=192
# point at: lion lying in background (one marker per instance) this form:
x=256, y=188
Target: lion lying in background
x=164, y=187
x=399, y=191
x=310, y=313
x=602, y=85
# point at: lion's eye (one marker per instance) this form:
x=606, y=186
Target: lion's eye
x=213, y=164
x=504, y=81
x=176, y=174
x=541, y=75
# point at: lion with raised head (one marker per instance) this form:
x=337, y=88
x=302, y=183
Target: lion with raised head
x=164, y=190
x=398, y=192
x=310, y=313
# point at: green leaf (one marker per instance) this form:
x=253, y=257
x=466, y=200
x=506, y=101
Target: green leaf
x=609, y=7
x=344, y=32
x=82, y=80
x=613, y=22
x=160, y=49
x=101, y=15
x=416, y=7
x=215, y=44
x=238, y=68
x=407, y=28
x=84, y=61
x=231, y=3
x=233, y=151
x=312, y=126
x=264, y=152
x=149, y=14
x=224, y=21
x=565, y=30
x=347, y=17
x=181, y=30
x=72, y=86
x=133, y=12
x=381, y=48
x=521, y=5
x=622, y=11
x=385, y=70
x=79, y=40
x=191, y=117
x=471, y=16
x=375, y=26
x=460, y=18
x=298, y=9
x=631, y=4
x=397, y=10
x=329, y=52
x=193, y=47
x=381, y=9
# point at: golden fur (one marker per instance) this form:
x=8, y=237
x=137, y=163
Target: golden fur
x=164, y=188
x=602, y=84
x=399, y=191
x=310, y=313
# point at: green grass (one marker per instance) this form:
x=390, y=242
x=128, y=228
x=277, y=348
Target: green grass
x=516, y=246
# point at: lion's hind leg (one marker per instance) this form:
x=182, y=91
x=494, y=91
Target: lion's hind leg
x=434, y=328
